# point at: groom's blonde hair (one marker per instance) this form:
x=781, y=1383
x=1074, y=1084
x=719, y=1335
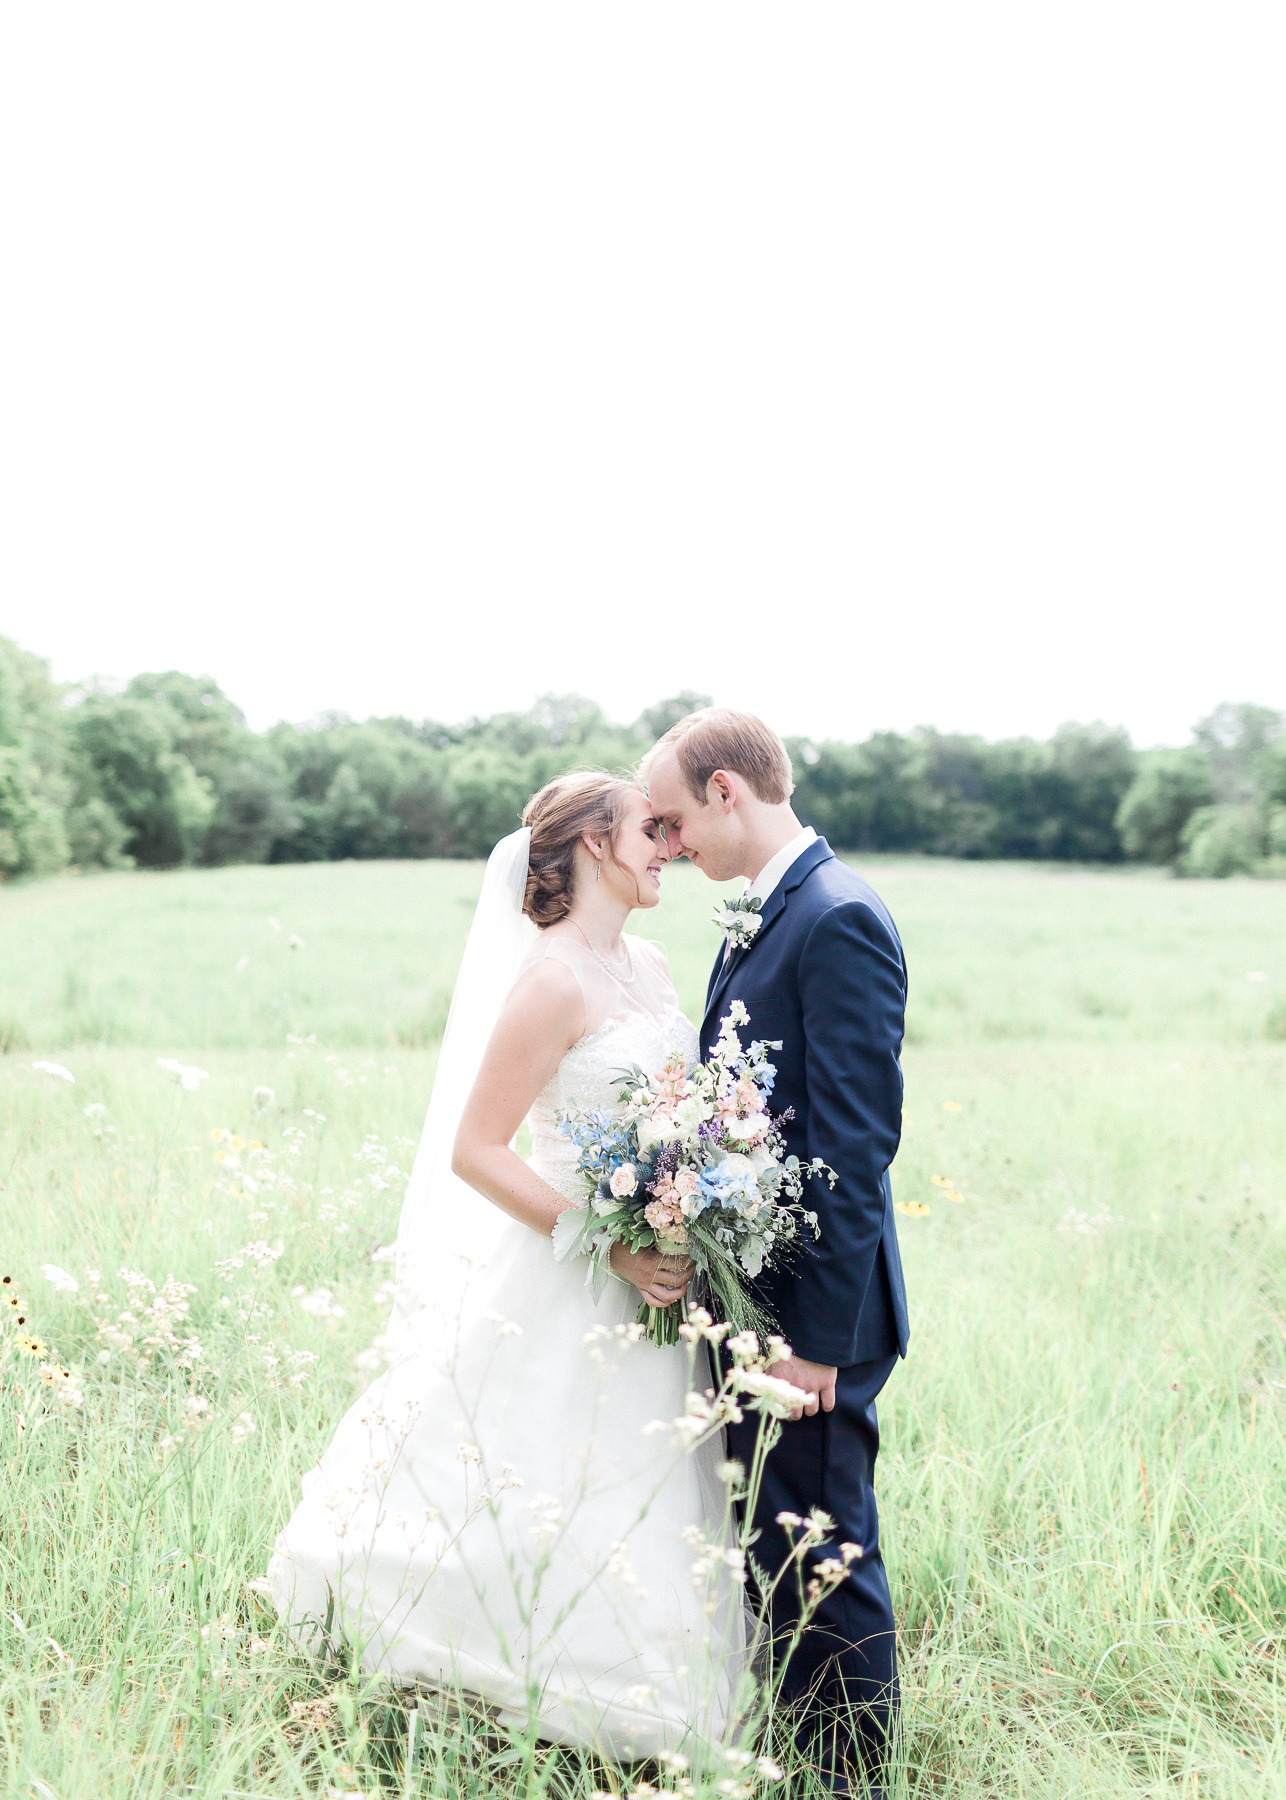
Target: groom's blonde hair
x=719, y=738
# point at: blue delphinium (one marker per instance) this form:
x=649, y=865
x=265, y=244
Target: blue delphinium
x=733, y=1189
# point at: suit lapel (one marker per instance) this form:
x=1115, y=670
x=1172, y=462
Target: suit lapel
x=818, y=851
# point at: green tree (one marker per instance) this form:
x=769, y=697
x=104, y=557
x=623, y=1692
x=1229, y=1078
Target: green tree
x=1221, y=840
x=1235, y=738
x=253, y=807
x=124, y=758
x=489, y=789
x=1170, y=787
x=33, y=784
x=654, y=721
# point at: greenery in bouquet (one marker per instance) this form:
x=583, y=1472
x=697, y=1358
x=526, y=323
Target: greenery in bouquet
x=692, y=1164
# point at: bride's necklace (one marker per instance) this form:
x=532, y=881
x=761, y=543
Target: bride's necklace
x=627, y=979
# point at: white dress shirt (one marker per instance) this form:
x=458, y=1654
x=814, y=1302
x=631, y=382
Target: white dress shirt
x=773, y=872
x=775, y=868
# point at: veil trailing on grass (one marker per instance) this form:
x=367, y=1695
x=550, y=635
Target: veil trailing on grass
x=443, y=1218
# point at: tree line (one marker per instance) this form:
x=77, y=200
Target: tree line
x=166, y=773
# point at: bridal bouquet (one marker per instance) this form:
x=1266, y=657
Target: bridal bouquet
x=693, y=1165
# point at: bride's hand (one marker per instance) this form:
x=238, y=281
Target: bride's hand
x=660, y=1279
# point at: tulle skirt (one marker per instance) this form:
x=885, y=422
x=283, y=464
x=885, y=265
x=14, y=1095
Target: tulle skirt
x=494, y=1516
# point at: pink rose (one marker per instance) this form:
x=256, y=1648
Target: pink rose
x=624, y=1181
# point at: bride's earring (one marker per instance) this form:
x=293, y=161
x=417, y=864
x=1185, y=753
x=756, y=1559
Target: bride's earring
x=598, y=869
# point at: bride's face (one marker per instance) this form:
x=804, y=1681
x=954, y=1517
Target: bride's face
x=632, y=870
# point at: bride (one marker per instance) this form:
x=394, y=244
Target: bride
x=492, y=1517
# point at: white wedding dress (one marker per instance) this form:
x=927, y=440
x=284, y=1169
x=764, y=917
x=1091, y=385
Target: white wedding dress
x=569, y=1600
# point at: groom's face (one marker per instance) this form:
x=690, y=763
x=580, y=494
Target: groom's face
x=708, y=835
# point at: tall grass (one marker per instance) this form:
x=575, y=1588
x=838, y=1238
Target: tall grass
x=1082, y=1462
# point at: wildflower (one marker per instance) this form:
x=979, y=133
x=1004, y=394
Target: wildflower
x=55, y=1069
x=32, y=1346
x=195, y=1406
x=767, y=1770
x=261, y=1253
x=65, y=1385
x=952, y=1106
x=260, y=1585
x=1080, y=1224
x=188, y=1076
x=294, y=942
x=912, y=1209
x=60, y=1280
x=95, y=1110
x=263, y=1098
x=243, y=1428
x=320, y=1304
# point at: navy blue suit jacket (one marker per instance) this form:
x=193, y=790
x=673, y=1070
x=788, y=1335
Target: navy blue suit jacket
x=826, y=975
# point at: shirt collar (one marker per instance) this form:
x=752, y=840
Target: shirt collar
x=775, y=868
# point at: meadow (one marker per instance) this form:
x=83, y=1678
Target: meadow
x=1082, y=1465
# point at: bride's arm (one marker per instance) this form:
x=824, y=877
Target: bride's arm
x=542, y=1018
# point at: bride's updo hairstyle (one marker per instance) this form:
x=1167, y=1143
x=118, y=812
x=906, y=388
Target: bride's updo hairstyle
x=586, y=800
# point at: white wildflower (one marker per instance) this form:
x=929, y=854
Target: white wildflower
x=188, y=1076
x=262, y=1253
x=320, y=1304
x=60, y=1280
x=769, y=1393
x=55, y=1069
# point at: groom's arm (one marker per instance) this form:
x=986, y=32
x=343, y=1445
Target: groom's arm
x=853, y=993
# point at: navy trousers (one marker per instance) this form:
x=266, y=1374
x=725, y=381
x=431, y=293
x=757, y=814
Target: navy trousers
x=842, y=1679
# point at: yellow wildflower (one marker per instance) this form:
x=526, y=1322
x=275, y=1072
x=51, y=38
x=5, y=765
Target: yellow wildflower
x=912, y=1209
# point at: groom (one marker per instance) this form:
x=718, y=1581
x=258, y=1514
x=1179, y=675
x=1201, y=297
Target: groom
x=824, y=973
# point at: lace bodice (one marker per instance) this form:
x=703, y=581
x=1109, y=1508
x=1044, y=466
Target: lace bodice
x=627, y=1022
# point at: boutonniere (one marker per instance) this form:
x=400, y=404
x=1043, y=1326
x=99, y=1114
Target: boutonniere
x=739, y=920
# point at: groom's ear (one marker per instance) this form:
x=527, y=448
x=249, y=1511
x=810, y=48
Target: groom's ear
x=722, y=790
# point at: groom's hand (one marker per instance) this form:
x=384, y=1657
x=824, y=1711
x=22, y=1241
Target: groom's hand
x=660, y=1279
x=816, y=1379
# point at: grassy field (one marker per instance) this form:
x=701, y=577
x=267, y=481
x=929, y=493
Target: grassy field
x=1083, y=1465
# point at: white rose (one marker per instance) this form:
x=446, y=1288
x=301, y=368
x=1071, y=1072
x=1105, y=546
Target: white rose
x=736, y=1164
x=659, y=1130
x=624, y=1181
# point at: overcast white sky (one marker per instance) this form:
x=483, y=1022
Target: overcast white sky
x=863, y=365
